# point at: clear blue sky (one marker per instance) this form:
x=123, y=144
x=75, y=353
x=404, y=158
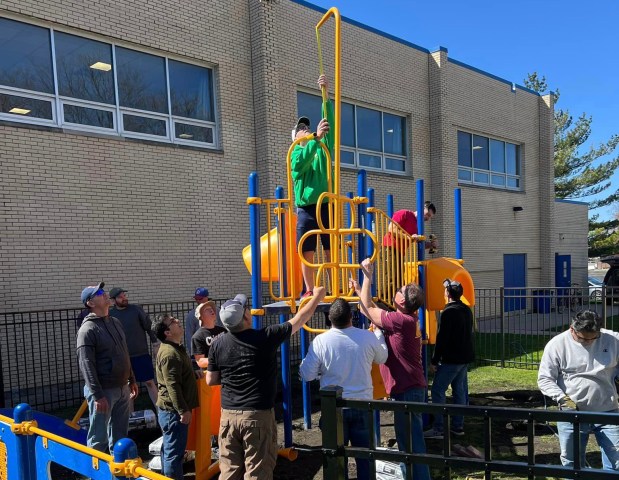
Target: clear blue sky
x=575, y=44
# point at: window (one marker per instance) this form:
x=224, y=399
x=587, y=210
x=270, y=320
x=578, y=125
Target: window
x=486, y=161
x=102, y=87
x=370, y=138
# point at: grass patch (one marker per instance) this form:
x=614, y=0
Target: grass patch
x=492, y=379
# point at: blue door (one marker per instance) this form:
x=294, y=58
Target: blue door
x=515, y=281
x=563, y=273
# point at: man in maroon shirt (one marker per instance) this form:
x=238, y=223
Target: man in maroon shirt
x=403, y=372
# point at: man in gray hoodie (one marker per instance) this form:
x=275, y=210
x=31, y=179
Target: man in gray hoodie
x=104, y=363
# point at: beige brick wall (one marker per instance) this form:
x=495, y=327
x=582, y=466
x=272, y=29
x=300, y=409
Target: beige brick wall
x=154, y=218
x=488, y=107
x=161, y=220
x=571, y=220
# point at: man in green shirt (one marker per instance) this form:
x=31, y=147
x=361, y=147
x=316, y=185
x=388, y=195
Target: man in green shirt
x=309, y=173
x=178, y=393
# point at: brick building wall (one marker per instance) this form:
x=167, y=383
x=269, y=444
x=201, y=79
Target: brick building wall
x=571, y=238
x=161, y=219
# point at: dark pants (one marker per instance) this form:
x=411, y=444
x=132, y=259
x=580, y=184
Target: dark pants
x=420, y=470
x=356, y=430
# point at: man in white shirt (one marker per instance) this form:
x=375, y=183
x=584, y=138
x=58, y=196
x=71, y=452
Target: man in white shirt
x=343, y=356
x=578, y=370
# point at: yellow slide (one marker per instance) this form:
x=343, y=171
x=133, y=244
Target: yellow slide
x=270, y=253
x=437, y=270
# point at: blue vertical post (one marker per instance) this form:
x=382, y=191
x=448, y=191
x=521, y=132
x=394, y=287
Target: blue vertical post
x=25, y=462
x=369, y=218
x=362, y=186
x=421, y=253
x=307, y=393
x=458, y=221
x=283, y=318
x=254, y=234
x=390, y=211
x=124, y=449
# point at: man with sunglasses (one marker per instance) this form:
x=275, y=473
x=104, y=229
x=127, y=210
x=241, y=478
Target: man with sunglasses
x=309, y=167
x=579, y=371
x=178, y=393
x=454, y=350
x=104, y=362
x=403, y=371
x=244, y=362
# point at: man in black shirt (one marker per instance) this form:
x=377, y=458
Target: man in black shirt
x=244, y=362
x=453, y=351
x=202, y=340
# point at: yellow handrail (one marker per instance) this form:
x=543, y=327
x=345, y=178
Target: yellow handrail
x=397, y=263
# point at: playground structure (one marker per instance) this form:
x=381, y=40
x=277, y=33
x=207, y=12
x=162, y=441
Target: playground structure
x=356, y=230
x=30, y=441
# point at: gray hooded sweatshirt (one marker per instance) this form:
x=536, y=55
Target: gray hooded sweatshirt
x=102, y=354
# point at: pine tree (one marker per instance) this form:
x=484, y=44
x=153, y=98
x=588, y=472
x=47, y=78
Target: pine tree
x=582, y=176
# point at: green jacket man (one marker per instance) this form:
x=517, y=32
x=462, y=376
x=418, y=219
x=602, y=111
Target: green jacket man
x=309, y=166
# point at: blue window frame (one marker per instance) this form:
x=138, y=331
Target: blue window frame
x=370, y=138
x=488, y=161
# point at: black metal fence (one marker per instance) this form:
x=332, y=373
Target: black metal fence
x=335, y=453
x=514, y=325
x=38, y=364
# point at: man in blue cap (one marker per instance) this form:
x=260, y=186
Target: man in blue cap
x=104, y=362
x=191, y=322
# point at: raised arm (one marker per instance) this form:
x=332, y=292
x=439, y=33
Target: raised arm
x=306, y=312
x=366, y=304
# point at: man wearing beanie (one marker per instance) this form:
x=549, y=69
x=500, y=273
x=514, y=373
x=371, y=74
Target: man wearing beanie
x=244, y=362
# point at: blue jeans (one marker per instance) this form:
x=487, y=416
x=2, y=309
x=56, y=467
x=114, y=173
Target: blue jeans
x=106, y=428
x=457, y=376
x=607, y=437
x=356, y=430
x=174, y=442
x=420, y=470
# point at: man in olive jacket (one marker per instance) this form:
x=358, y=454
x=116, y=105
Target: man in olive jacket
x=178, y=393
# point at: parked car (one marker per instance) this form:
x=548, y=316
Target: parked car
x=611, y=279
x=595, y=290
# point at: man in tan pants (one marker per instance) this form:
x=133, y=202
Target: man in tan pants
x=244, y=362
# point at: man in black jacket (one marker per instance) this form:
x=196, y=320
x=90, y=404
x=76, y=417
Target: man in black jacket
x=453, y=351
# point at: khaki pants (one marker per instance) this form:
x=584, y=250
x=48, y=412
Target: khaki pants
x=247, y=444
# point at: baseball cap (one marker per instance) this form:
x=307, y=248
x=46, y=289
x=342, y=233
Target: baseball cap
x=88, y=292
x=453, y=287
x=302, y=121
x=114, y=292
x=231, y=313
x=199, y=308
x=201, y=292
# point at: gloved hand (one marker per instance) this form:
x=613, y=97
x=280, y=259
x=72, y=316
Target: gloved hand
x=566, y=403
